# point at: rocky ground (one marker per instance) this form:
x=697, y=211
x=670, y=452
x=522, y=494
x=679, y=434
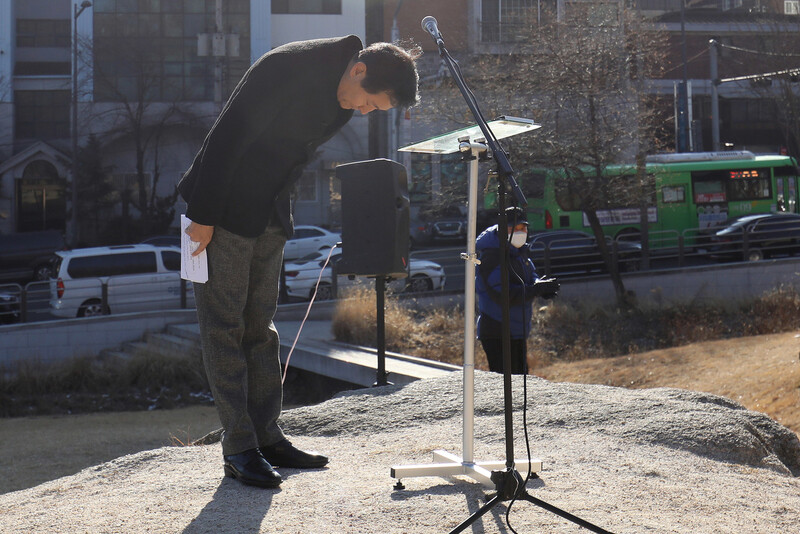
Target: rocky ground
x=628, y=460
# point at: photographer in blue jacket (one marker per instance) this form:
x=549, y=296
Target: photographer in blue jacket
x=524, y=287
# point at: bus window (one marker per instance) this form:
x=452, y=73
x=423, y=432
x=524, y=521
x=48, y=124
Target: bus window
x=671, y=194
x=786, y=184
x=567, y=199
x=749, y=189
x=533, y=184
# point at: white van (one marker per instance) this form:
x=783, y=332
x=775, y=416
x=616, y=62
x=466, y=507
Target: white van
x=137, y=278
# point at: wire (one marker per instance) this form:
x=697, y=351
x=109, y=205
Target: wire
x=739, y=49
x=676, y=67
x=308, y=310
x=521, y=488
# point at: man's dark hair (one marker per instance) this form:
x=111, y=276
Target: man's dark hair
x=393, y=70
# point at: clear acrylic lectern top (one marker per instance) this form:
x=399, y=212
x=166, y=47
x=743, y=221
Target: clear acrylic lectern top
x=448, y=143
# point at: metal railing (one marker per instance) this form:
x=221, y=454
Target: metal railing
x=670, y=248
x=31, y=302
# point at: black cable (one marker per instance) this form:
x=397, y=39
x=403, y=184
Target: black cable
x=521, y=488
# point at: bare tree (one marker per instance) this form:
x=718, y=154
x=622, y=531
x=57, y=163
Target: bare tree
x=128, y=72
x=96, y=194
x=584, y=77
x=773, y=60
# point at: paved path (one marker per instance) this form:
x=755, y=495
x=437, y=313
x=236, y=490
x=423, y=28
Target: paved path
x=316, y=351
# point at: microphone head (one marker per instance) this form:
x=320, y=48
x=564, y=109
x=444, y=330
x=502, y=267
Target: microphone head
x=426, y=22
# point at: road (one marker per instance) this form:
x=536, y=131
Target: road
x=449, y=257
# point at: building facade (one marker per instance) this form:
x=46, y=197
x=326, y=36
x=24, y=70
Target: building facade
x=150, y=78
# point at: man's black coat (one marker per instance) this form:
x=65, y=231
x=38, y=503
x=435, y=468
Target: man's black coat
x=282, y=110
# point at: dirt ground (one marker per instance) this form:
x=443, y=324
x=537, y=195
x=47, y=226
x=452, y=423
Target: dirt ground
x=34, y=450
x=760, y=372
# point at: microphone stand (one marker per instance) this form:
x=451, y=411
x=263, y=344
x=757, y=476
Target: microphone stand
x=509, y=484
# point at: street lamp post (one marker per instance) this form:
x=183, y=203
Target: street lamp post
x=394, y=115
x=74, y=216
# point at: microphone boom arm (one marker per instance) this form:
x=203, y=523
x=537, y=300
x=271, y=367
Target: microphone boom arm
x=504, y=165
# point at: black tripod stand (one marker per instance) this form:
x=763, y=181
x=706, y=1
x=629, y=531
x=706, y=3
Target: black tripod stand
x=508, y=482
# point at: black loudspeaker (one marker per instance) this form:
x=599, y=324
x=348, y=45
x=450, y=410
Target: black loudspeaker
x=375, y=218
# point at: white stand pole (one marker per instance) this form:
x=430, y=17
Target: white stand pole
x=445, y=463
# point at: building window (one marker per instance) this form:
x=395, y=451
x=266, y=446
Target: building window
x=41, y=198
x=148, y=49
x=42, y=68
x=307, y=7
x=43, y=33
x=307, y=187
x=506, y=21
x=419, y=189
x=41, y=114
x=600, y=14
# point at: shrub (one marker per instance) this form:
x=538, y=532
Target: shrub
x=566, y=332
x=144, y=381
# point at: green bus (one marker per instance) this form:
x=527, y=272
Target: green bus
x=693, y=191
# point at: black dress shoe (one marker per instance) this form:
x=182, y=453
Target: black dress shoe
x=250, y=468
x=284, y=454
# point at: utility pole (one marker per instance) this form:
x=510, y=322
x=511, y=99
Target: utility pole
x=74, y=231
x=683, y=95
x=714, y=74
x=378, y=122
x=219, y=45
x=394, y=114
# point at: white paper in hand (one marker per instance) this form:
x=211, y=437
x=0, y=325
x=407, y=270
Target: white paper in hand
x=193, y=268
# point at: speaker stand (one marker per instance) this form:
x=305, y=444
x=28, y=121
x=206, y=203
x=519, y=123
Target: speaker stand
x=380, y=345
x=447, y=464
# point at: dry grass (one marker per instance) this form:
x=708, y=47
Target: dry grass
x=562, y=332
x=761, y=372
x=435, y=334
x=90, y=384
x=740, y=351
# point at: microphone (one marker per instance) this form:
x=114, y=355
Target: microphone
x=430, y=26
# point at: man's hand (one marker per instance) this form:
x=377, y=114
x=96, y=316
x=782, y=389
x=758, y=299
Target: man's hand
x=547, y=288
x=200, y=234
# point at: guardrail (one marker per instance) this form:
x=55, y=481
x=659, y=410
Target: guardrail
x=670, y=248
x=31, y=302
x=661, y=250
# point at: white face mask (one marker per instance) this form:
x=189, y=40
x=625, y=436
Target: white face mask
x=518, y=239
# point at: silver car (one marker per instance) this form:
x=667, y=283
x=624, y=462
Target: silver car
x=301, y=277
x=135, y=277
x=309, y=239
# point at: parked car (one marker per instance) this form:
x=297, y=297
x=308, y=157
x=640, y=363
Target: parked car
x=301, y=277
x=27, y=256
x=755, y=237
x=9, y=305
x=137, y=277
x=440, y=231
x=308, y=239
x=163, y=241
x=439, y=226
x=561, y=252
